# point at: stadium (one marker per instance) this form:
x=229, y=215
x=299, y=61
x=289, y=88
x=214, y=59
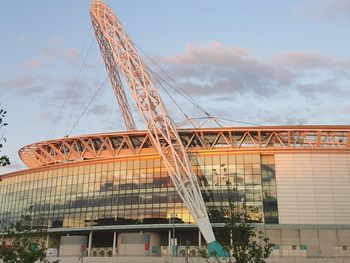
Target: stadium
x=161, y=192
x=112, y=193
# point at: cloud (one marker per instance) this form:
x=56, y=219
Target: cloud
x=100, y=109
x=69, y=55
x=18, y=83
x=24, y=85
x=32, y=90
x=302, y=60
x=219, y=71
x=52, y=54
x=33, y=64
x=325, y=9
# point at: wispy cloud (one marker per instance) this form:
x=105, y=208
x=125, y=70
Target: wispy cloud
x=215, y=69
x=54, y=52
x=69, y=55
x=17, y=83
x=24, y=85
x=291, y=87
x=325, y=9
x=100, y=109
x=302, y=60
x=33, y=64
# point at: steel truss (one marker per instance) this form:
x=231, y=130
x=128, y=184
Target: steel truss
x=161, y=129
x=112, y=69
x=138, y=144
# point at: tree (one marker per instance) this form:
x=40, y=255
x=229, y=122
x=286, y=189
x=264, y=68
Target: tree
x=27, y=242
x=4, y=160
x=246, y=244
x=241, y=239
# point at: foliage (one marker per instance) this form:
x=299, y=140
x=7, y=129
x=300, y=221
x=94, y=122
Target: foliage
x=27, y=243
x=4, y=160
x=247, y=244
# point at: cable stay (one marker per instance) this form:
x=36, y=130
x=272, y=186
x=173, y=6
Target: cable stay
x=75, y=85
x=208, y=119
x=77, y=71
x=87, y=107
x=179, y=89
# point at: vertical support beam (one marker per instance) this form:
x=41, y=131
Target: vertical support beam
x=318, y=142
x=349, y=139
x=199, y=239
x=169, y=243
x=47, y=241
x=90, y=244
x=114, y=244
x=259, y=138
x=289, y=139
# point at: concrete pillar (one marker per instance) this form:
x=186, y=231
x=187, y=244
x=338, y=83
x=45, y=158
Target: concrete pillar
x=199, y=238
x=114, y=243
x=90, y=244
x=47, y=241
x=169, y=243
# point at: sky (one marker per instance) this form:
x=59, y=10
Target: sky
x=263, y=62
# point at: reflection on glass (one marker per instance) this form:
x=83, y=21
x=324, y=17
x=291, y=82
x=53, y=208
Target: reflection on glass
x=137, y=191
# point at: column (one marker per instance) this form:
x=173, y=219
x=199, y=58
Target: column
x=199, y=239
x=169, y=243
x=90, y=244
x=114, y=244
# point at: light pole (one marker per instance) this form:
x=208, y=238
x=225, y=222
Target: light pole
x=92, y=222
x=2, y=231
x=173, y=244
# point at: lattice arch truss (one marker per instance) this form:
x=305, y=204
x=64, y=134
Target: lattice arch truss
x=138, y=143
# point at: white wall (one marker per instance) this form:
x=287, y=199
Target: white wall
x=70, y=245
x=138, y=248
x=313, y=188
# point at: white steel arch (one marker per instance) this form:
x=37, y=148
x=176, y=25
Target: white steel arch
x=112, y=69
x=160, y=126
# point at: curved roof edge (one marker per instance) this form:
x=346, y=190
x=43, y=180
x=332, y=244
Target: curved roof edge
x=137, y=143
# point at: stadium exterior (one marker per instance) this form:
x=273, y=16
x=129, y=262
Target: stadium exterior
x=112, y=193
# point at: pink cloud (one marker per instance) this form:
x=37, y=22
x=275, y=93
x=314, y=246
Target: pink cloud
x=325, y=9
x=214, y=69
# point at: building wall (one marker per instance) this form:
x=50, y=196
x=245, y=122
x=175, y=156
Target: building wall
x=139, y=244
x=313, y=188
x=71, y=245
x=312, y=242
x=138, y=191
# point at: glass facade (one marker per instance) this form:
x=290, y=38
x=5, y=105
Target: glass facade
x=136, y=191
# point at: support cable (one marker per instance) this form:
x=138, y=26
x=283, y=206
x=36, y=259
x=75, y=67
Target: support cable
x=241, y=122
x=61, y=108
x=87, y=106
x=76, y=84
x=171, y=97
x=182, y=92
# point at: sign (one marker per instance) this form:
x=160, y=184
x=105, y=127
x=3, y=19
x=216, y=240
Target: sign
x=154, y=249
x=147, y=247
x=303, y=247
x=173, y=242
x=82, y=248
x=276, y=247
x=51, y=252
x=34, y=247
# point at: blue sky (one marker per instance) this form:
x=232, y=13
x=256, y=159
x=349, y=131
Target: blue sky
x=268, y=62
